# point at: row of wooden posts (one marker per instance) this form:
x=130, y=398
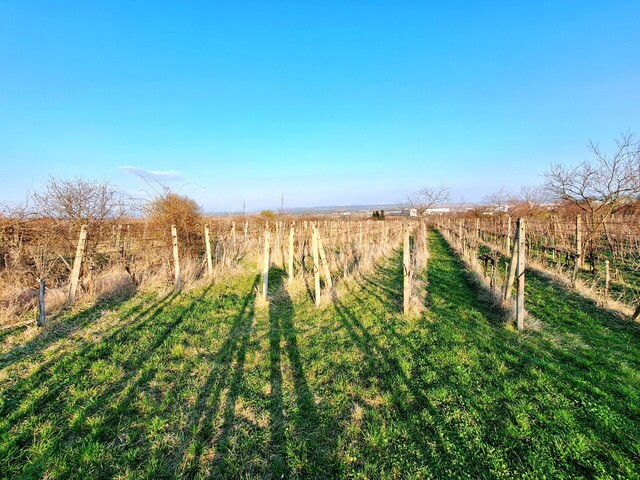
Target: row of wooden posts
x=319, y=260
x=318, y=253
x=320, y=264
x=74, y=279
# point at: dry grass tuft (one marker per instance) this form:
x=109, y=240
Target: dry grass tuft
x=111, y=284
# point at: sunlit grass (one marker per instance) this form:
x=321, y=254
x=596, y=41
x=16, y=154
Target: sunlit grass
x=212, y=384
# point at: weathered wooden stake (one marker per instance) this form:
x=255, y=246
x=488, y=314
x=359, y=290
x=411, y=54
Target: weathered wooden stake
x=291, y=252
x=508, y=238
x=77, y=263
x=316, y=267
x=406, y=267
x=579, y=241
x=176, y=257
x=207, y=243
x=607, y=279
x=520, y=312
x=233, y=235
x=266, y=263
x=425, y=240
x=42, y=308
x=325, y=264
x=118, y=236
x=511, y=276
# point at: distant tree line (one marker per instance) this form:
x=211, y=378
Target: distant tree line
x=378, y=215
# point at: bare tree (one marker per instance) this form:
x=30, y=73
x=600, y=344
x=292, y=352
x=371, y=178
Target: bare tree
x=460, y=206
x=428, y=197
x=281, y=209
x=78, y=200
x=599, y=185
x=534, y=196
x=530, y=200
x=499, y=199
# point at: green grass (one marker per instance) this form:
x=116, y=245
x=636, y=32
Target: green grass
x=212, y=384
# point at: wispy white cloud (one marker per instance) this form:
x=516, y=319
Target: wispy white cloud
x=158, y=175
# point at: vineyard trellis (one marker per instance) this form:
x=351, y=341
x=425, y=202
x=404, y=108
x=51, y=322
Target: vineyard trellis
x=319, y=252
x=142, y=252
x=605, y=261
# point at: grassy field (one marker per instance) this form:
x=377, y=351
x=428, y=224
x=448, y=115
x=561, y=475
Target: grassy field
x=213, y=384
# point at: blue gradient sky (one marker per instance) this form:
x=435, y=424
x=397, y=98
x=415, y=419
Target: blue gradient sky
x=330, y=103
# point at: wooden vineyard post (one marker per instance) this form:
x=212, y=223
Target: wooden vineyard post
x=77, y=263
x=511, y=276
x=406, y=268
x=266, y=263
x=281, y=245
x=607, y=280
x=291, y=252
x=508, y=238
x=366, y=245
x=385, y=237
x=207, y=244
x=425, y=240
x=553, y=237
x=233, y=235
x=316, y=268
x=118, y=236
x=478, y=227
x=42, y=308
x=520, y=313
x=176, y=257
x=578, y=241
x=325, y=264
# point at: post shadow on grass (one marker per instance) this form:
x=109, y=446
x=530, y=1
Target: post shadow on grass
x=95, y=351
x=207, y=404
x=306, y=416
x=559, y=308
x=384, y=285
x=429, y=428
x=81, y=357
x=407, y=394
x=125, y=387
x=387, y=276
x=72, y=323
x=570, y=372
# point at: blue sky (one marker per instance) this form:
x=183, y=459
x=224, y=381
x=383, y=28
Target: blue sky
x=326, y=103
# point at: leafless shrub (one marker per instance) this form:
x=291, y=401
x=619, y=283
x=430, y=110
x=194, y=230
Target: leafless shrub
x=499, y=199
x=78, y=200
x=170, y=208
